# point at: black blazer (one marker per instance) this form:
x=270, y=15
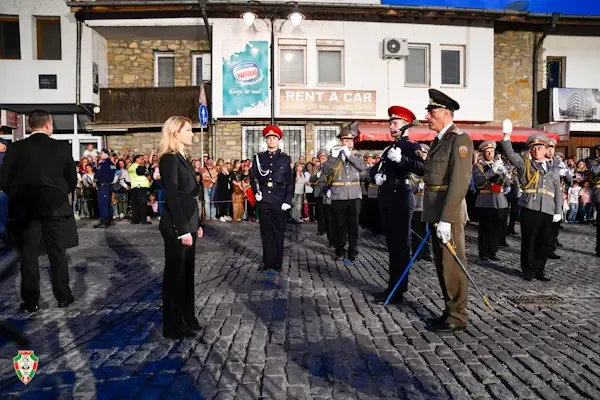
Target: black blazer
x=38, y=174
x=181, y=214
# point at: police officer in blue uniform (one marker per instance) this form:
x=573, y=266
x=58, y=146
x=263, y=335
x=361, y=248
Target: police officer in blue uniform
x=273, y=186
x=396, y=200
x=105, y=175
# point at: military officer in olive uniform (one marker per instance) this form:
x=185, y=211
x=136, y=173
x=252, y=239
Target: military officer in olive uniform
x=273, y=186
x=593, y=166
x=556, y=160
x=541, y=201
x=419, y=228
x=489, y=176
x=447, y=177
x=343, y=170
x=396, y=200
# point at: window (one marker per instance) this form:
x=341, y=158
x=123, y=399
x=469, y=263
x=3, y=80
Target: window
x=48, y=38
x=200, y=68
x=164, y=69
x=583, y=153
x=555, y=72
x=95, y=78
x=10, y=38
x=330, y=55
x=252, y=141
x=453, y=65
x=417, y=65
x=326, y=137
x=293, y=141
x=292, y=61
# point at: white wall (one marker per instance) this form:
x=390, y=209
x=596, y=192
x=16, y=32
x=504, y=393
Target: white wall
x=366, y=70
x=583, y=59
x=96, y=53
x=19, y=78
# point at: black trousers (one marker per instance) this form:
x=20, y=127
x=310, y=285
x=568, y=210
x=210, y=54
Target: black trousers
x=536, y=230
x=553, y=237
x=345, y=213
x=597, y=205
x=310, y=200
x=363, y=218
x=420, y=228
x=491, y=223
x=321, y=217
x=398, y=241
x=272, y=231
x=28, y=236
x=179, y=310
x=514, y=214
x=504, y=230
x=139, y=201
x=330, y=228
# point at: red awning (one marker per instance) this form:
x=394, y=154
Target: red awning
x=381, y=133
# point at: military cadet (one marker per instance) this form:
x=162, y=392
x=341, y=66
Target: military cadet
x=343, y=174
x=593, y=166
x=419, y=228
x=447, y=177
x=396, y=200
x=105, y=175
x=489, y=176
x=556, y=161
x=273, y=186
x=541, y=201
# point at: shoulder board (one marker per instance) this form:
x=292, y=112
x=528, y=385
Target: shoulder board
x=283, y=154
x=411, y=141
x=458, y=132
x=113, y=167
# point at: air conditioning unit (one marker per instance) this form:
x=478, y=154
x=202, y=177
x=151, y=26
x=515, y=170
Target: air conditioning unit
x=394, y=48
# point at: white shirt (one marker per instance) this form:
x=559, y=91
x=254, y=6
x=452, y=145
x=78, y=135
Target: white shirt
x=88, y=153
x=574, y=195
x=443, y=131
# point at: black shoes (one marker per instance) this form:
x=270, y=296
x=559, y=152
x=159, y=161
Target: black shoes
x=66, y=302
x=29, y=307
x=381, y=297
x=265, y=267
x=440, y=324
x=553, y=256
x=542, y=277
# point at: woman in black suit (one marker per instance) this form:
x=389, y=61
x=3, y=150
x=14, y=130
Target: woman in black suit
x=179, y=226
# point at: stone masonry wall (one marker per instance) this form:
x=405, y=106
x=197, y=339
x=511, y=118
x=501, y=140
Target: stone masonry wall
x=131, y=62
x=143, y=142
x=513, y=77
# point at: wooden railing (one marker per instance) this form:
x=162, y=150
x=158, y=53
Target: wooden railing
x=148, y=104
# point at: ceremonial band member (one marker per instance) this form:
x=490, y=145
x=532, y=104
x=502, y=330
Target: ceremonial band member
x=419, y=228
x=489, y=176
x=541, y=202
x=372, y=204
x=559, y=165
x=343, y=169
x=593, y=166
x=273, y=186
x=447, y=176
x=396, y=200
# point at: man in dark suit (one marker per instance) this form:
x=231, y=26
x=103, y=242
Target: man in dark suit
x=39, y=207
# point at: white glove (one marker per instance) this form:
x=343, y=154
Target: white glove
x=379, y=179
x=285, y=206
x=395, y=155
x=563, y=172
x=328, y=194
x=507, y=190
x=497, y=166
x=346, y=151
x=258, y=196
x=443, y=231
x=507, y=126
x=335, y=152
x=421, y=185
x=556, y=218
x=319, y=174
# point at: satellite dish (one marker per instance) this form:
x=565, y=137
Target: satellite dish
x=521, y=5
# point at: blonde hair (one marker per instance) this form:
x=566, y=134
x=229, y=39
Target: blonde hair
x=168, y=142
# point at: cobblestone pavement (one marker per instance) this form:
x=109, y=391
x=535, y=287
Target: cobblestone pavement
x=311, y=332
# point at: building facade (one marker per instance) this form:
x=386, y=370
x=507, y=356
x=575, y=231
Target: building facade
x=49, y=61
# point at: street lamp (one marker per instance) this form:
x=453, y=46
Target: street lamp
x=271, y=13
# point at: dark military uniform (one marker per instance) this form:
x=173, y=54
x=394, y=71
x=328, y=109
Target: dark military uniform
x=447, y=176
x=540, y=201
x=396, y=202
x=346, y=196
x=271, y=178
x=593, y=166
x=566, y=179
x=105, y=176
x=419, y=228
x=491, y=204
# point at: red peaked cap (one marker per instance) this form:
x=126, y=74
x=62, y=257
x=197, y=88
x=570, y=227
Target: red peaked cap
x=272, y=130
x=397, y=112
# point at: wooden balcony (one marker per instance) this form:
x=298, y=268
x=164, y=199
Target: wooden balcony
x=149, y=105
